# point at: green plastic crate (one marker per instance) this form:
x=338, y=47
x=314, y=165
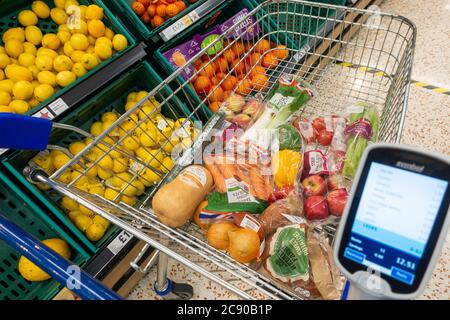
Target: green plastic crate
x=8, y=19
x=220, y=15
x=305, y=25
x=113, y=97
x=18, y=208
x=122, y=9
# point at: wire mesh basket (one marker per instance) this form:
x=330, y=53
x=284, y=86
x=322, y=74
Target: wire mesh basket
x=357, y=55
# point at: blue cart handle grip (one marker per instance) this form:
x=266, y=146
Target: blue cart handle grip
x=60, y=269
x=24, y=132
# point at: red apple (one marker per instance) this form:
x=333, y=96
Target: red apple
x=335, y=181
x=336, y=201
x=316, y=208
x=319, y=124
x=324, y=137
x=314, y=186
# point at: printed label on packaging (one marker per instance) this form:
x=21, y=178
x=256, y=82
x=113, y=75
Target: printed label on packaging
x=354, y=109
x=193, y=172
x=361, y=127
x=247, y=27
x=279, y=101
x=179, y=55
x=238, y=192
x=294, y=219
x=315, y=163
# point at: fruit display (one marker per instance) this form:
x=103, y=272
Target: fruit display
x=114, y=174
x=154, y=13
x=34, y=64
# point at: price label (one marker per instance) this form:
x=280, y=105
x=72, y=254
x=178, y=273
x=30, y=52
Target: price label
x=44, y=113
x=58, y=106
x=119, y=242
x=179, y=26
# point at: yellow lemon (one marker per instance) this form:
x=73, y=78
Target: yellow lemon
x=90, y=49
x=64, y=36
x=62, y=63
x=149, y=138
x=89, y=61
x=111, y=194
x=51, y=41
x=94, y=12
x=79, y=41
x=136, y=188
x=96, y=28
x=59, y=3
x=130, y=105
x=48, y=52
x=47, y=77
x=26, y=59
x=69, y=204
x=76, y=147
x=4, y=60
x=27, y=18
x=109, y=116
x=2, y=49
x=156, y=158
x=69, y=3
x=167, y=164
x=33, y=35
x=79, y=70
x=28, y=47
x=119, y=42
x=16, y=73
x=68, y=49
x=33, y=102
x=64, y=78
x=34, y=71
x=2, y=74
x=60, y=160
x=19, y=106
x=58, y=15
x=131, y=143
x=22, y=90
x=96, y=128
x=131, y=201
x=109, y=34
x=6, y=85
x=131, y=97
x=14, y=48
x=103, y=40
x=91, y=40
x=103, y=51
x=78, y=27
x=83, y=9
x=100, y=220
x=5, y=98
x=92, y=172
x=73, y=215
x=141, y=95
x=104, y=174
x=14, y=33
x=77, y=56
x=43, y=91
x=120, y=165
x=6, y=109
x=83, y=222
x=44, y=62
x=151, y=176
x=63, y=28
x=41, y=9
x=106, y=163
x=95, y=232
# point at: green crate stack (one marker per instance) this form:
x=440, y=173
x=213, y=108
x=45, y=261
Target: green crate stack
x=122, y=8
x=113, y=97
x=8, y=19
x=18, y=207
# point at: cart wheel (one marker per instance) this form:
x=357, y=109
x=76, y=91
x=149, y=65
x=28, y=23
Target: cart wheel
x=183, y=291
x=175, y=291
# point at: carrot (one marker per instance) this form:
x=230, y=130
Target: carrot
x=258, y=183
x=219, y=181
x=268, y=185
x=241, y=175
x=226, y=169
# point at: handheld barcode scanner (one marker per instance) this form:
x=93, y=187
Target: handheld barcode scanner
x=395, y=223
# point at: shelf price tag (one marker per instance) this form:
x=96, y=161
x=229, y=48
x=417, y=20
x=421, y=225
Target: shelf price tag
x=58, y=106
x=179, y=26
x=119, y=242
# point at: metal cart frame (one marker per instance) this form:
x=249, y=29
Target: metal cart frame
x=379, y=48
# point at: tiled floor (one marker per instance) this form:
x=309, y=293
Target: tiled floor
x=427, y=126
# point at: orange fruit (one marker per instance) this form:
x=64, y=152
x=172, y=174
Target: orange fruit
x=229, y=83
x=244, y=88
x=281, y=52
x=262, y=46
x=270, y=61
x=255, y=58
x=260, y=82
x=229, y=55
x=181, y=5
x=258, y=70
x=227, y=93
x=157, y=21
x=214, y=82
x=146, y=3
x=171, y=10
x=215, y=106
x=216, y=95
x=151, y=10
x=145, y=18
x=198, y=63
x=202, y=85
x=161, y=10
x=170, y=1
x=240, y=67
x=138, y=8
x=221, y=75
x=221, y=65
x=248, y=46
x=238, y=48
x=208, y=70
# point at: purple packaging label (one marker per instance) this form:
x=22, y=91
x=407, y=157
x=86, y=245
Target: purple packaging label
x=361, y=127
x=182, y=53
x=247, y=28
x=207, y=38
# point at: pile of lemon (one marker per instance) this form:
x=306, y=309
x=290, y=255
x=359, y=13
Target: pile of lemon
x=146, y=134
x=34, y=65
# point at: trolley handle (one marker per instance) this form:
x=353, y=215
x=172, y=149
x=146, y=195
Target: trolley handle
x=60, y=269
x=24, y=132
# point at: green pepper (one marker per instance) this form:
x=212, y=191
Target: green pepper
x=289, y=138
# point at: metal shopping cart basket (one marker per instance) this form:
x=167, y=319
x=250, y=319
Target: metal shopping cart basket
x=356, y=55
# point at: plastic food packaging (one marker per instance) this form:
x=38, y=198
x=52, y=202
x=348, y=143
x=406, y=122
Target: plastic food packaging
x=242, y=111
x=302, y=260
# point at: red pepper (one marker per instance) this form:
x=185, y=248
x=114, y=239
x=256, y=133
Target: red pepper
x=280, y=194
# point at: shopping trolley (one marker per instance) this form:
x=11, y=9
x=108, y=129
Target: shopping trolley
x=357, y=55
